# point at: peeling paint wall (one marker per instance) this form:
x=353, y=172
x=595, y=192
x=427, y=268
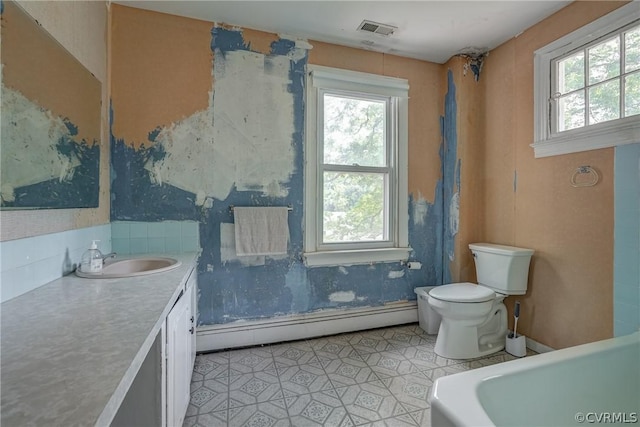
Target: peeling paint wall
x=244, y=147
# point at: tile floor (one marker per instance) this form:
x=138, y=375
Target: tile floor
x=379, y=377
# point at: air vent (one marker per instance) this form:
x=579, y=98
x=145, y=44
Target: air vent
x=377, y=28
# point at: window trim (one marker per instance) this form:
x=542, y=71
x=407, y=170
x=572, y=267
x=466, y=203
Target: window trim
x=608, y=134
x=333, y=80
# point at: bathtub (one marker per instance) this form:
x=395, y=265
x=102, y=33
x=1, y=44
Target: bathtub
x=596, y=383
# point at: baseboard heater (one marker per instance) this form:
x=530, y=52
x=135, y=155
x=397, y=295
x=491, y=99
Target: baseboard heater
x=300, y=326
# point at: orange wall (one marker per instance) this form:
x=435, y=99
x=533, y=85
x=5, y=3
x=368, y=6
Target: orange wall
x=570, y=297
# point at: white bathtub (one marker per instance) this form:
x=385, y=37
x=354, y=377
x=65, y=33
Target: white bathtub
x=596, y=383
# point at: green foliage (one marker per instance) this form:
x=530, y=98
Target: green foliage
x=604, y=78
x=354, y=202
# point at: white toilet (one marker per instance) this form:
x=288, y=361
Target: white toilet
x=474, y=318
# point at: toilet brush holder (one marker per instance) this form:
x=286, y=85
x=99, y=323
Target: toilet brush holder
x=516, y=346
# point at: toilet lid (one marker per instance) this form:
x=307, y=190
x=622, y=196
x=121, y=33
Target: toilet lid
x=462, y=292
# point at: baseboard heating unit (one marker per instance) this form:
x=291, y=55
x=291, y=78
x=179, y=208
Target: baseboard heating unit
x=301, y=326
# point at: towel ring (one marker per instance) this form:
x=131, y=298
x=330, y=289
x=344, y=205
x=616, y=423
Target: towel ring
x=585, y=170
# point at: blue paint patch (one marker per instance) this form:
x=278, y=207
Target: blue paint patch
x=73, y=129
x=227, y=40
x=134, y=197
x=154, y=134
x=79, y=190
x=451, y=167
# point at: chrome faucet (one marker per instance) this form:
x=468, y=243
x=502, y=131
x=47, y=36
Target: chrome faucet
x=107, y=256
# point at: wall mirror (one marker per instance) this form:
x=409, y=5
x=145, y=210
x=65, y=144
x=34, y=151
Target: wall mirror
x=50, y=113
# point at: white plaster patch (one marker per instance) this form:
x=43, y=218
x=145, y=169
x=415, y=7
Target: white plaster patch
x=343, y=296
x=420, y=210
x=396, y=274
x=243, y=139
x=29, y=137
x=454, y=218
x=343, y=270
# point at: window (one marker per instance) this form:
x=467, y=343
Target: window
x=356, y=168
x=587, y=86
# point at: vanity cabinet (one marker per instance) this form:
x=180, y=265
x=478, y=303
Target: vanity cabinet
x=180, y=352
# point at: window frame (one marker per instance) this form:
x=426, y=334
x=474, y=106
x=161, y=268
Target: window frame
x=547, y=141
x=325, y=80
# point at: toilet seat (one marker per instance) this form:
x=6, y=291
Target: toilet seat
x=462, y=293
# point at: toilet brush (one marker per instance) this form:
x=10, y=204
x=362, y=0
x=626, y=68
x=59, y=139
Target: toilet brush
x=516, y=315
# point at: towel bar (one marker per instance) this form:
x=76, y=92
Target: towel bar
x=289, y=208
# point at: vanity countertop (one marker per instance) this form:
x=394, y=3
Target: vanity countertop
x=70, y=349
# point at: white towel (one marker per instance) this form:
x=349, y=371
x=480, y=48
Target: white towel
x=261, y=230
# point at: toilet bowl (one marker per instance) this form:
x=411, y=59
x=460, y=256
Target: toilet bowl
x=474, y=318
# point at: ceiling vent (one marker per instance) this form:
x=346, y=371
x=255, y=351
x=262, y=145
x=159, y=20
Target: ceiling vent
x=377, y=28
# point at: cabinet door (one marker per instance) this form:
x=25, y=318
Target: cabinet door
x=192, y=290
x=179, y=366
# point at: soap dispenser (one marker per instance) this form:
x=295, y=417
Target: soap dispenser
x=91, y=261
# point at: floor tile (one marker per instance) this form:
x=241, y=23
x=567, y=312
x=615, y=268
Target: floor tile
x=411, y=390
x=211, y=396
x=422, y=417
x=365, y=344
x=434, y=374
x=265, y=414
x=304, y=379
x=389, y=364
x=254, y=388
x=349, y=371
x=379, y=377
x=318, y=409
x=290, y=354
x=212, y=419
x=402, y=421
x=370, y=402
x=251, y=360
x=332, y=349
x=423, y=357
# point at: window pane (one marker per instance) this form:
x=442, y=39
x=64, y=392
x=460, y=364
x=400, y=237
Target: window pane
x=632, y=50
x=354, y=131
x=604, y=102
x=632, y=94
x=604, y=61
x=571, y=73
x=571, y=111
x=353, y=207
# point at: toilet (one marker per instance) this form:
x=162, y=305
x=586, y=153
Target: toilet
x=474, y=317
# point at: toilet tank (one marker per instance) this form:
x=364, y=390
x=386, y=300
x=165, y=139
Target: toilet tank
x=504, y=269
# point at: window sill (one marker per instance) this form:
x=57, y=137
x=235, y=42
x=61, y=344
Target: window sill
x=590, y=139
x=353, y=257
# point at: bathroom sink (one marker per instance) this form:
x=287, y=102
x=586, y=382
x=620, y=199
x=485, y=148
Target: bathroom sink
x=131, y=267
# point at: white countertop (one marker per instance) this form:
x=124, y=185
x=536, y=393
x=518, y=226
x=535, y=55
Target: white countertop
x=70, y=349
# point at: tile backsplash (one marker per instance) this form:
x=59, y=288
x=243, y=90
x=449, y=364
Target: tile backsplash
x=134, y=237
x=29, y=263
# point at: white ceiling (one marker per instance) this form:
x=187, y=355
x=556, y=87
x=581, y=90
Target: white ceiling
x=428, y=30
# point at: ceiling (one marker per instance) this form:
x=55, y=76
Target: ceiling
x=429, y=30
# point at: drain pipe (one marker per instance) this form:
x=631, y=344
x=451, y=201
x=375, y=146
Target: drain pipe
x=502, y=332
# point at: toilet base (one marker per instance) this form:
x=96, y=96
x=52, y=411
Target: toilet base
x=444, y=349
x=457, y=340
